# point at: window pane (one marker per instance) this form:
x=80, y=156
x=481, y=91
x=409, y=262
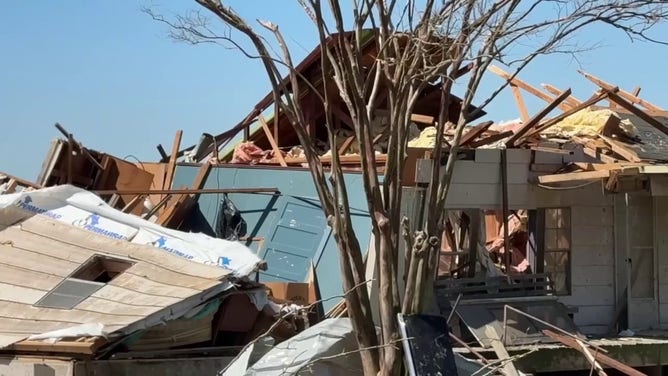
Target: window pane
x=551, y=218
x=563, y=238
x=557, y=267
x=551, y=240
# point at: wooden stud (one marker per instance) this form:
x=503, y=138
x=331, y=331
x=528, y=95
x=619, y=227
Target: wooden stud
x=622, y=150
x=423, y=119
x=171, y=165
x=521, y=106
x=163, y=153
x=346, y=145
x=475, y=132
x=571, y=100
x=537, y=118
x=525, y=86
x=624, y=94
x=491, y=139
x=273, y=143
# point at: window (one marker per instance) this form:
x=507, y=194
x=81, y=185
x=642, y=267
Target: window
x=557, y=249
x=83, y=282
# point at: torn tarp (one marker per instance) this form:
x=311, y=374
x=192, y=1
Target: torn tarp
x=322, y=350
x=81, y=208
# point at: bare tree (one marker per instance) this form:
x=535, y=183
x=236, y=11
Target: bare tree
x=419, y=44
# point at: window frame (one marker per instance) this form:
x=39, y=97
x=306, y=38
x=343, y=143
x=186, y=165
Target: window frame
x=544, y=250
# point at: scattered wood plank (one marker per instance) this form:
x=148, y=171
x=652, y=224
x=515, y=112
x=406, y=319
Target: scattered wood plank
x=537, y=118
x=600, y=357
x=622, y=93
x=638, y=112
x=346, y=145
x=61, y=347
x=571, y=100
x=586, y=175
x=521, y=106
x=490, y=140
x=621, y=149
x=552, y=150
x=272, y=142
x=525, y=86
x=171, y=165
x=475, y=132
x=424, y=119
x=603, y=166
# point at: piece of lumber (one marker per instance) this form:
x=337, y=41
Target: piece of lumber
x=188, y=191
x=423, y=119
x=272, y=142
x=501, y=351
x=343, y=116
x=171, y=165
x=475, y=132
x=586, y=175
x=603, y=166
x=525, y=86
x=537, y=118
x=552, y=150
x=548, y=123
x=519, y=101
x=163, y=153
x=591, y=359
x=491, y=139
x=638, y=112
x=621, y=149
x=133, y=203
x=11, y=186
x=571, y=100
x=600, y=357
x=622, y=93
x=346, y=145
x=61, y=347
x=574, y=176
x=82, y=149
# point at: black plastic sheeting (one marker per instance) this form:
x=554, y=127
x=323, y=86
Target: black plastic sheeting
x=230, y=225
x=429, y=342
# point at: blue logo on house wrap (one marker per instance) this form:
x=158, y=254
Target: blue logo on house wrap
x=224, y=261
x=91, y=223
x=27, y=205
x=161, y=244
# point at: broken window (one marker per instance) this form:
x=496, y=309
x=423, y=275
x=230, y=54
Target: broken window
x=557, y=249
x=83, y=282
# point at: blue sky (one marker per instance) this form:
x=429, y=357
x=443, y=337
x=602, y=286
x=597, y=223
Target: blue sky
x=111, y=76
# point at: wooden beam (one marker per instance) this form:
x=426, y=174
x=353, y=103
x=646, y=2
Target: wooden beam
x=595, y=99
x=525, y=86
x=475, y=132
x=588, y=175
x=272, y=142
x=171, y=165
x=537, y=118
x=599, y=357
x=163, y=153
x=621, y=149
x=521, y=106
x=638, y=112
x=622, y=93
x=571, y=100
x=603, y=166
x=344, y=117
x=61, y=347
x=423, y=119
x=346, y=145
x=574, y=176
x=491, y=139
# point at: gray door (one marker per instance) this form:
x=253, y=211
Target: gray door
x=297, y=238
